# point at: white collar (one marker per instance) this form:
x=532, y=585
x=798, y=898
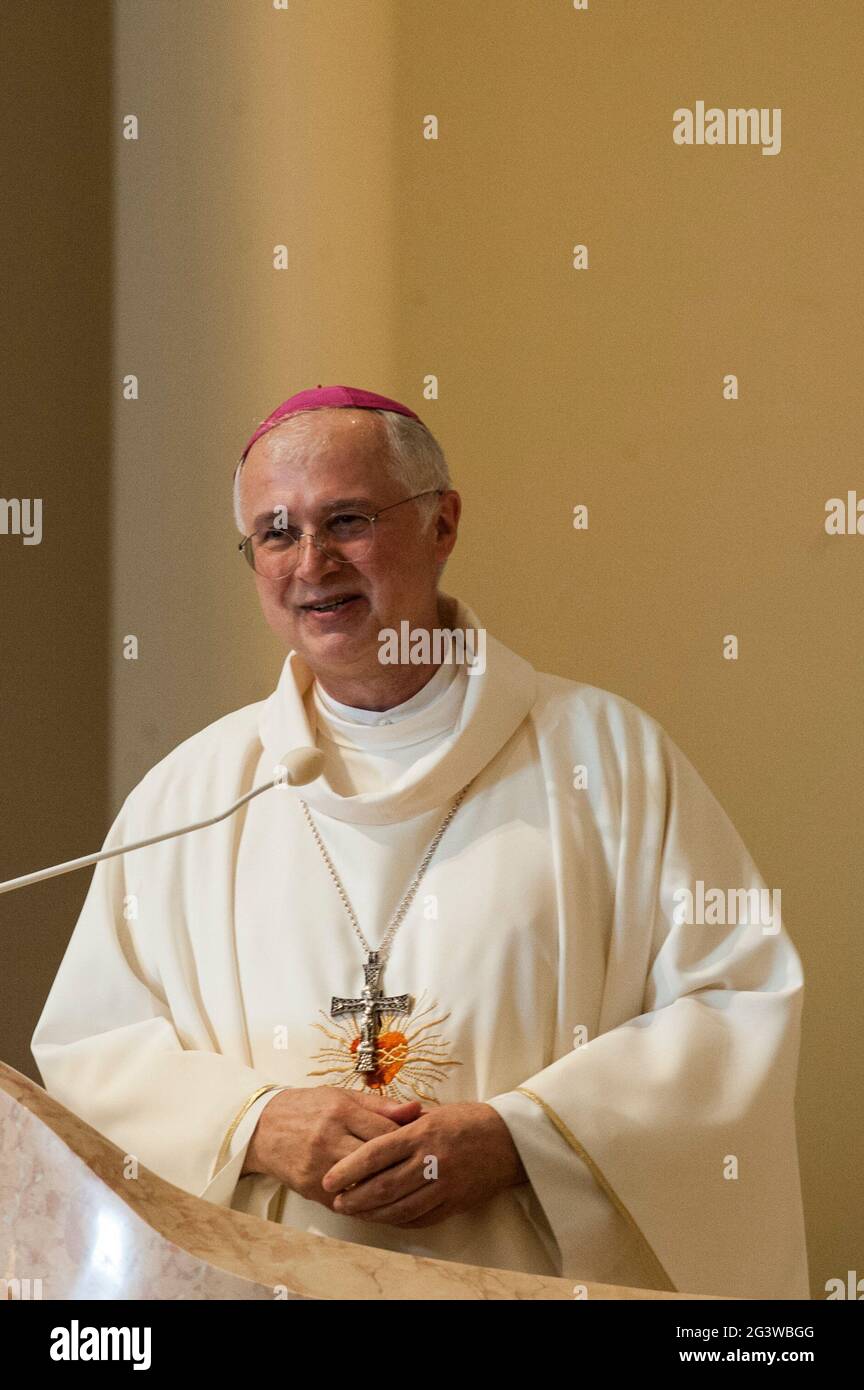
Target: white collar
x=435, y=716
x=435, y=686
x=498, y=697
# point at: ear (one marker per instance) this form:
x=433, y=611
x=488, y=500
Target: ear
x=447, y=523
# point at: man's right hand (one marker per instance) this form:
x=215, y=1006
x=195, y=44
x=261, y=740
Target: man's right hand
x=302, y=1132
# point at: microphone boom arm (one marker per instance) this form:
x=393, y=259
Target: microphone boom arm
x=307, y=766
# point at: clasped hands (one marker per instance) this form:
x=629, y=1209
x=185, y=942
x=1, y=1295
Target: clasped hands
x=363, y=1156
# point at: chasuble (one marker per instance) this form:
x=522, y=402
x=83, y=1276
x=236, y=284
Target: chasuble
x=644, y=1064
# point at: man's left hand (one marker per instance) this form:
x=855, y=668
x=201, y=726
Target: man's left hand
x=390, y=1178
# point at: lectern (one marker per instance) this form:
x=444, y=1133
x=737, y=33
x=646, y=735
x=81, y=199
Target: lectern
x=73, y=1227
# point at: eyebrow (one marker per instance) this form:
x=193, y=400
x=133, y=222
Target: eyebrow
x=336, y=505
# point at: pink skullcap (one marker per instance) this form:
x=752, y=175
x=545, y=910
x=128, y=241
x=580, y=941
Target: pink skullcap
x=319, y=397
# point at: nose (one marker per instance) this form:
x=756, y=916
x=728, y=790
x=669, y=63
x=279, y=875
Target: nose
x=312, y=561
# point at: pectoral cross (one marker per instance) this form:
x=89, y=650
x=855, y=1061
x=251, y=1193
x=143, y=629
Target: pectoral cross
x=372, y=1003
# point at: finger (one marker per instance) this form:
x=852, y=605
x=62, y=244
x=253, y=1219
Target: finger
x=369, y=1124
x=418, y=1209
x=345, y=1146
x=369, y=1159
x=384, y=1188
x=406, y=1112
x=375, y=1116
x=383, y=1106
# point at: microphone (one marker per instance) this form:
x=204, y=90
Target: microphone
x=295, y=769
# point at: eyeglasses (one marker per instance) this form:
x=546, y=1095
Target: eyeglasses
x=273, y=551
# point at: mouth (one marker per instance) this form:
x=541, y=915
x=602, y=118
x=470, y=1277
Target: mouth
x=328, y=606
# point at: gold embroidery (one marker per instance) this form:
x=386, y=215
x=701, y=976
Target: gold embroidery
x=602, y=1183
x=226, y=1142
x=410, y=1057
x=280, y=1205
x=410, y=1060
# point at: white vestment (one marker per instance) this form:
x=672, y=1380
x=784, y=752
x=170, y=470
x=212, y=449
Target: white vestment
x=644, y=1066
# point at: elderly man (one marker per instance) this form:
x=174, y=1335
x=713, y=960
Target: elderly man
x=451, y=997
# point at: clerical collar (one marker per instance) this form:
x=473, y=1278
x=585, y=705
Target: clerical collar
x=494, y=700
x=434, y=715
x=434, y=687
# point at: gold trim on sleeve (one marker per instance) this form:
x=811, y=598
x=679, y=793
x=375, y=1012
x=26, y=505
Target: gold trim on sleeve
x=279, y=1200
x=232, y=1128
x=602, y=1183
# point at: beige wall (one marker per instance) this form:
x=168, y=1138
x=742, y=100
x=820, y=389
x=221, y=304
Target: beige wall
x=55, y=406
x=409, y=257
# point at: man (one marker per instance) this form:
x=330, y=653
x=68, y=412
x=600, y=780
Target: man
x=546, y=1066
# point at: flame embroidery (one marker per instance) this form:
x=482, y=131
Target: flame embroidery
x=410, y=1056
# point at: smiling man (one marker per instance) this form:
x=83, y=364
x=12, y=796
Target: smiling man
x=437, y=1000
x=329, y=610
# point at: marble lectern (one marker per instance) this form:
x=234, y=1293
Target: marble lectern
x=73, y=1227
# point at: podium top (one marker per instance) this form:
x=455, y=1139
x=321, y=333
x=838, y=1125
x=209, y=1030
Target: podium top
x=75, y=1219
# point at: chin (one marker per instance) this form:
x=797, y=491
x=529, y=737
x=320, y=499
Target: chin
x=342, y=646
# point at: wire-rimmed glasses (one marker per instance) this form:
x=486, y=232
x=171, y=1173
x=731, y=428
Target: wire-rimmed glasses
x=346, y=536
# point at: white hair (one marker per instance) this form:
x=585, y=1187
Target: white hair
x=413, y=457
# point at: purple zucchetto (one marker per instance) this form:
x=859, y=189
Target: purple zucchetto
x=318, y=397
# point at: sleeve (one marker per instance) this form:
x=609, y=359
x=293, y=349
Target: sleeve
x=663, y=1150
x=253, y=1192
x=108, y=1049
x=586, y=1234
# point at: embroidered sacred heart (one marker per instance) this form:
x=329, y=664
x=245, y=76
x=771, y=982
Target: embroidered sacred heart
x=410, y=1054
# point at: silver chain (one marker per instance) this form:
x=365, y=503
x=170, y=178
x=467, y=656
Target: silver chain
x=383, y=949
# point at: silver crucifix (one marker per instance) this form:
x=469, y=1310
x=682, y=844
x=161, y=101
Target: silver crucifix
x=372, y=1003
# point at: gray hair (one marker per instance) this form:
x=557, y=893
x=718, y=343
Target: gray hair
x=413, y=458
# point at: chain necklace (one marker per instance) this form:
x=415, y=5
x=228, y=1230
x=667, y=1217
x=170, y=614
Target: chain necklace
x=372, y=1002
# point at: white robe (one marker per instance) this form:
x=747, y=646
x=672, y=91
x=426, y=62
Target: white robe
x=646, y=1069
